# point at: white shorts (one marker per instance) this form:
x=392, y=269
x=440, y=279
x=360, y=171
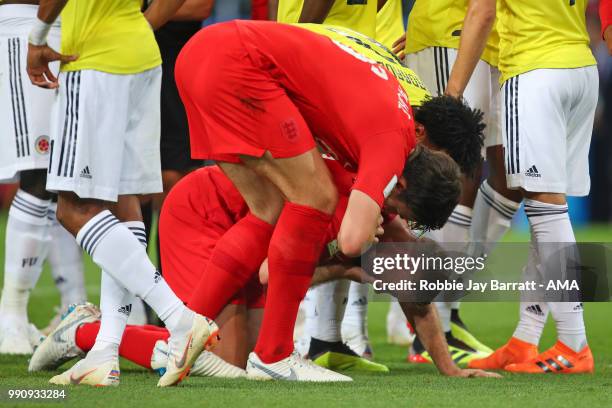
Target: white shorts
x=105, y=135
x=25, y=109
x=433, y=65
x=548, y=121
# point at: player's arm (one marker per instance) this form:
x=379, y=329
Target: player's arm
x=315, y=11
x=194, y=10
x=161, y=11
x=424, y=319
x=605, y=14
x=360, y=225
x=477, y=25
x=39, y=53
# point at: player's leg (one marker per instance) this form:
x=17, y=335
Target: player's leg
x=81, y=165
x=25, y=144
x=295, y=247
x=327, y=347
x=65, y=258
x=26, y=247
x=550, y=223
x=495, y=203
x=241, y=250
x=115, y=301
x=355, y=320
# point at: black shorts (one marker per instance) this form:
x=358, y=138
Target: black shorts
x=174, y=144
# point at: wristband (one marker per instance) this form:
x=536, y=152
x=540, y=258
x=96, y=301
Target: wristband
x=39, y=32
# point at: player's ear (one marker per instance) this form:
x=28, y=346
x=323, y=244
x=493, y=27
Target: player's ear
x=421, y=133
x=401, y=185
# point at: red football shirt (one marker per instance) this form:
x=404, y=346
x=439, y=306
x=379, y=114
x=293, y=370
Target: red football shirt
x=356, y=110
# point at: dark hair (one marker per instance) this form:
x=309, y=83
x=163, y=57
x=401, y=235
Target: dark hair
x=454, y=127
x=432, y=189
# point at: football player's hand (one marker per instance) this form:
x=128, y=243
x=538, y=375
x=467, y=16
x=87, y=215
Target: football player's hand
x=399, y=45
x=379, y=228
x=608, y=38
x=39, y=57
x=473, y=373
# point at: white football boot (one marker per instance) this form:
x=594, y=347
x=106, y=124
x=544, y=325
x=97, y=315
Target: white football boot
x=292, y=368
x=84, y=373
x=184, y=351
x=60, y=346
x=208, y=364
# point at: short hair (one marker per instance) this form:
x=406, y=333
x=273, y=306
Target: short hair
x=454, y=127
x=433, y=187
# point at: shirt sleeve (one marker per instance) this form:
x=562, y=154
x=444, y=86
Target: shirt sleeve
x=380, y=167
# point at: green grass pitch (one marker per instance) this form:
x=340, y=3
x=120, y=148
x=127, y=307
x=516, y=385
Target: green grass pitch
x=406, y=385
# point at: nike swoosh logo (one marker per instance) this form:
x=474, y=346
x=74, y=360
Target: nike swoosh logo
x=78, y=380
x=57, y=336
x=164, y=352
x=277, y=376
x=181, y=363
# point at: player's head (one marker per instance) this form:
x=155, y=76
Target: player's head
x=428, y=190
x=449, y=124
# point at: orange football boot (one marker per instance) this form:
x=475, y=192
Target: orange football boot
x=558, y=359
x=515, y=351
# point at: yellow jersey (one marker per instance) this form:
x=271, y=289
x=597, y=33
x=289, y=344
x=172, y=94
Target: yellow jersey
x=370, y=48
x=438, y=23
x=358, y=15
x=109, y=36
x=542, y=34
x=390, y=23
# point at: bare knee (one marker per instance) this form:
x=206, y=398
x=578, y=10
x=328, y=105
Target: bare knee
x=267, y=209
x=74, y=212
x=497, y=174
x=549, y=198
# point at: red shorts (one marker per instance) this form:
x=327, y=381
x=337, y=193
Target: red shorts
x=188, y=233
x=233, y=106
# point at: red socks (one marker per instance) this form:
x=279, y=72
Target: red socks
x=293, y=255
x=136, y=345
x=236, y=257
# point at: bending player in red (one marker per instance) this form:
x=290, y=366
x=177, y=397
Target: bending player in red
x=256, y=101
x=199, y=210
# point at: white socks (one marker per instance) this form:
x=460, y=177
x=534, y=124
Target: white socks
x=492, y=217
x=117, y=251
x=550, y=226
x=569, y=321
x=116, y=302
x=330, y=302
x=457, y=227
x=532, y=315
x=25, y=251
x=66, y=260
x=355, y=320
